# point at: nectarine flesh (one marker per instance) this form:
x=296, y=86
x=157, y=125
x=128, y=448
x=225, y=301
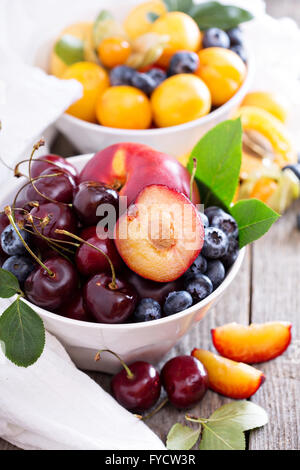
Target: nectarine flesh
x=253, y=343
x=230, y=378
x=160, y=235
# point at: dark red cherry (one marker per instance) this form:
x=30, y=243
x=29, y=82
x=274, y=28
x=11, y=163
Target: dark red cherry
x=140, y=392
x=151, y=289
x=89, y=196
x=109, y=305
x=60, y=217
x=59, y=187
x=185, y=380
x=88, y=232
x=74, y=309
x=40, y=164
x=51, y=292
x=90, y=261
x=4, y=222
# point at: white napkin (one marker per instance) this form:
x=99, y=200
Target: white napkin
x=52, y=405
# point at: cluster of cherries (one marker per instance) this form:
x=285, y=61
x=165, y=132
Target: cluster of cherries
x=138, y=386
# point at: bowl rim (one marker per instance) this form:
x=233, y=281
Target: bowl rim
x=72, y=120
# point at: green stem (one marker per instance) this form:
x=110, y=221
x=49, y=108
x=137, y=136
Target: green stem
x=159, y=407
x=193, y=178
x=130, y=375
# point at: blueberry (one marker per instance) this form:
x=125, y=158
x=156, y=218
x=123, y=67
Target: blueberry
x=158, y=75
x=11, y=243
x=204, y=219
x=215, y=37
x=226, y=223
x=121, y=75
x=177, y=301
x=20, y=266
x=240, y=51
x=215, y=272
x=147, y=310
x=212, y=211
x=199, y=287
x=199, y=266
x=294, y=168
x=183, y=62
x=235, y=36
x=144, y=82
x=232, y=253
x=215, y=243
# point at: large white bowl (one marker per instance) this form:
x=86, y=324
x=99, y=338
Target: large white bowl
x=176, y=140
x=136, y=341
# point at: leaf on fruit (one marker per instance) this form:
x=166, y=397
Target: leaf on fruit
x=152, y=16
x=245, y=413
x=223, y=435
x=179, y=5
x=219, y=155
x=254, y=219
x=70, y=49
x=23, y=334
x=106, y=26
x=9, y=284
x=182, y=437
x=216, y=15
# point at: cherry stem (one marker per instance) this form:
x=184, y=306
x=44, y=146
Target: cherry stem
x=193, y=177
x=113, y=284
x=156, y=410
x=8, y=213
x=130, y=375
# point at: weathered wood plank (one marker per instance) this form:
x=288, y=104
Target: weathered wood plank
x=276, y=275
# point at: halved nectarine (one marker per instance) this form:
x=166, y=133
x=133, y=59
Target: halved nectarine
x=230, y=378
x=160, y=235
x=253, y=343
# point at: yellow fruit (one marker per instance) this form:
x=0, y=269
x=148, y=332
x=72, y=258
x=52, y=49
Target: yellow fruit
x=94, y=80
x=124, y=107
x=137, y=22
x=114, y=51
x=223, y=71
x=261, y=121
x=264, y=188
x=183, y=33
x=80, y=31
x=271, y=102
x=179, y=99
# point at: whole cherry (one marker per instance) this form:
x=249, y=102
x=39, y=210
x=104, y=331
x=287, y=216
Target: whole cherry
x=88, y=196
x=51, y=161
x=90, y=262
x=109, y=303
x=56, y=184
x=74, y=309
x=185, y=380
x=137, y=387
x=52, y=284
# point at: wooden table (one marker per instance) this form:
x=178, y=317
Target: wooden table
x=267, y=288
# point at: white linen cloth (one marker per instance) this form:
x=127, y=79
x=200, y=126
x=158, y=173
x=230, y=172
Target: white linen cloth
x=52, y=405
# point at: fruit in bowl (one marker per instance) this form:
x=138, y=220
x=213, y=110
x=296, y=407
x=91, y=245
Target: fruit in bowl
x=133, y=247
x=159, y=67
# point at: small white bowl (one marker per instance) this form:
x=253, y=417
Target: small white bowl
x=135, y=341
x=176, y=140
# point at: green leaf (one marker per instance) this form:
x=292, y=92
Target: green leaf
x=182, y=437
x=216, y=15
x=254, y=219
x=219, y=155
x=224, y=435
x=23, y=334
x=245, y=413
x=179, y=5
x=70, y=49
x=152, y=16
x=9, y=284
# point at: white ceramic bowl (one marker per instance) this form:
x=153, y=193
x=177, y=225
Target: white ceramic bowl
x=176, y=140
x=136, y=341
